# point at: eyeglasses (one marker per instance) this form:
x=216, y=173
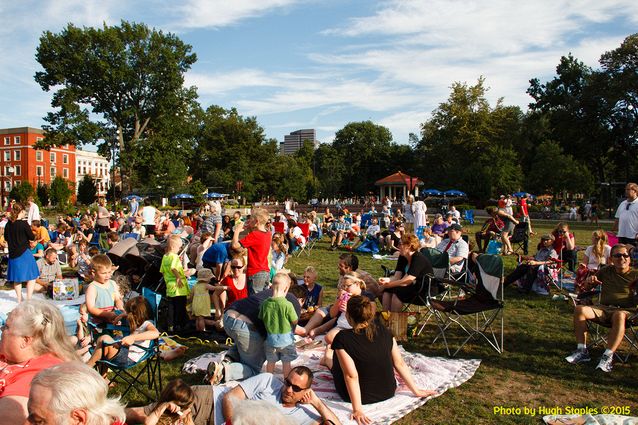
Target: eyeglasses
x=295, y=388
x=621, y=255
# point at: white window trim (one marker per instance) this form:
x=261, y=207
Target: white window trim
x=17, y=155
x=17, y=140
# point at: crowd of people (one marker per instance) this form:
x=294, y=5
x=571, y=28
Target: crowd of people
x=228, y=273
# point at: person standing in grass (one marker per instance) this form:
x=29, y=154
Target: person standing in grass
x=618, y=286
x=279, y=317
x=257, y=242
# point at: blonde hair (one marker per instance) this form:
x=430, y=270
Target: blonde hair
x=43, y=322
x=173, y=244
x=353, y=277
x=280, y=280
x=311, y=270
x=101, y=261
x=598, y=249
x=261, y=215
x=74, y=385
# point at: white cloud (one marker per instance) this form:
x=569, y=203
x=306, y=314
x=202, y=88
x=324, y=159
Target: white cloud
x=220, y=13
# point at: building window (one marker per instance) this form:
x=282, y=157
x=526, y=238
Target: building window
x=17, y=155
x=65, y=173
x=38, y=155
x=7, y=185
x=7, y=140
x=8, y=170
x=65, y=159
x=18, y=170
x=52, y=173
x=52, y=157
x=7, y=156
x=39, y=171
x=79, y=170
x=17, y=183
x=16, y=140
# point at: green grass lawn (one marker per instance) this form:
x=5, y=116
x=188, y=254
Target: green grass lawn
x=531, y=373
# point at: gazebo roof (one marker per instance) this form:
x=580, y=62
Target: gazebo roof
x=396, y=179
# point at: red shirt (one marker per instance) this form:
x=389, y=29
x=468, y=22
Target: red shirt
x=258, y=245
x=233, y=293
x=15, y=379
x=523, y=205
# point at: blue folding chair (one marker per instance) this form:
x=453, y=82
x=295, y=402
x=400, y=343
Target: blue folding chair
x=468, y=215
x=135, y=236
x=148, y=366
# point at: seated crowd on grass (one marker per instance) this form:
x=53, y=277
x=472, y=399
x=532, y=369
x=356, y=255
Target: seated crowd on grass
x=226, y=274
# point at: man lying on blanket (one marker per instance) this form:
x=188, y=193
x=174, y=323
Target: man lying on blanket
x=291, y=397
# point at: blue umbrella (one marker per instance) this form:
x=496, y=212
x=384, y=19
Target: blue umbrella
x=212, y=195
x=453, y=192
x=432, y=192
x=129, y=197
x=183, y=196
x=521, y=194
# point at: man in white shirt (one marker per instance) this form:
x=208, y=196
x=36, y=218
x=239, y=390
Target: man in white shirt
x=626, y=224
x=34, y=211
x=457, y=249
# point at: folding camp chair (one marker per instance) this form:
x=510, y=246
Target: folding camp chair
x=476, y=312
x=430, y=286
x=145, y=375
x=598, y=336
x=520, y=237
x=468, y=215
x=135, y=236
x=305, y=232
x=279, y=227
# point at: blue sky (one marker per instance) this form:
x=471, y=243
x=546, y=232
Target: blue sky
x=324, y=63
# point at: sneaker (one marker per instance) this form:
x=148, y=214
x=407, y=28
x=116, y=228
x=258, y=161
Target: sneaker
x=215, y=373
x=578, y=356
x=606, y=363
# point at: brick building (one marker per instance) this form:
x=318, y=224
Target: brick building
x=20, y=161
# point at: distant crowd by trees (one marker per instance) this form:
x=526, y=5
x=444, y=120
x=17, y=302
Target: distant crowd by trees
x=122, y=88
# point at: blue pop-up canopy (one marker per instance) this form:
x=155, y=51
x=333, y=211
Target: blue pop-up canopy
x=454, y=192
x=432, y=192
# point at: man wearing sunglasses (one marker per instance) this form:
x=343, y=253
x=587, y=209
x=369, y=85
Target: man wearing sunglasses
x=626, y=223
x=618, y=286
x=292, y=397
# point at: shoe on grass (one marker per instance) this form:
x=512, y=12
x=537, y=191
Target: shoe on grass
x=606, y=363
x=215, y=373
x=578, y=356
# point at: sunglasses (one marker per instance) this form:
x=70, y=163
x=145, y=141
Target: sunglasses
x=621, y=255
x=628, y=205
x=237, y=267
x=295, y=388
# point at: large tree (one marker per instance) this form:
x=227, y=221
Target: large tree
x=364, y=147
x=231, y=148
x=593, y=113
x=112, y=85
x=469, y=145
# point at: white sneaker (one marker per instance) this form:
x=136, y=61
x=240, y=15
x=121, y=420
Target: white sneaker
x=578, y=356
x=606, y=363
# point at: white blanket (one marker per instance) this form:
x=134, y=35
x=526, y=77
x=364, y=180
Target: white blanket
x=8, y=301
x=428, y=372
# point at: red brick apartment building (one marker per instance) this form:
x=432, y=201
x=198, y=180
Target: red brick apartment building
x=20, y=161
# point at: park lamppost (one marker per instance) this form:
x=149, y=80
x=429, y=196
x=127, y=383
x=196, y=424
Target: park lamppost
x=8, y=173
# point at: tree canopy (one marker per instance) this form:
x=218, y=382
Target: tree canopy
x=112, y=84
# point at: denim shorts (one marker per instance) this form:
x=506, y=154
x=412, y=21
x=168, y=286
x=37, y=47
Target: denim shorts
x=285, y=354
x=121, y=358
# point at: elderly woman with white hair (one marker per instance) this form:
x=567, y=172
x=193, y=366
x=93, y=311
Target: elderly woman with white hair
x=72, y=393
x=33, y=339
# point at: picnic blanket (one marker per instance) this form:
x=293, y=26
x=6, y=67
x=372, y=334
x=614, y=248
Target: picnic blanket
x=428, y=372
x=68, y=308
